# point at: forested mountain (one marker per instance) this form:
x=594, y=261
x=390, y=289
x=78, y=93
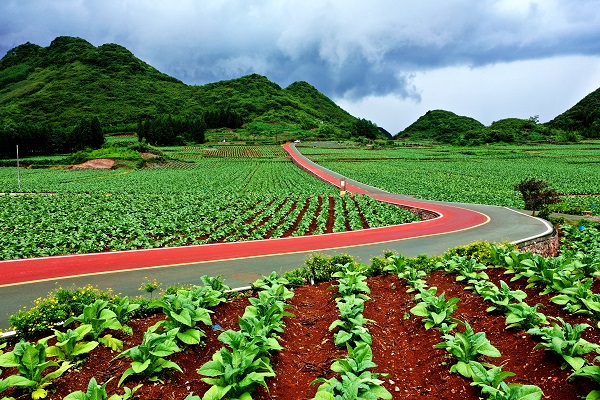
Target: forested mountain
x=446, y=127
x=48, y=89
x=583, y=117
x=47, y=94
x=440, y=125
x=72, y=79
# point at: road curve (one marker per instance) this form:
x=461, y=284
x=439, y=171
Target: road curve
x=21, y=281
x=449, y=219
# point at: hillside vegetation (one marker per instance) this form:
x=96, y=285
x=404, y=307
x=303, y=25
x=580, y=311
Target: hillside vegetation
x=583, y=117
x=71, y=78
x=446, y=127
x=47, y=91
x=440, y=125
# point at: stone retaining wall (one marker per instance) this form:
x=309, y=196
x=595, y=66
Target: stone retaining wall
x=547, y=246
x=423, y=214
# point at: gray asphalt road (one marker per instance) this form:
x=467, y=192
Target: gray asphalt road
x=505, y=225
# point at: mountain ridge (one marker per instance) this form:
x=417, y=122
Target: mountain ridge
x=71, y=78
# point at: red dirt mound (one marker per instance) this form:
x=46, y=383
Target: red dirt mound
x=100, y=163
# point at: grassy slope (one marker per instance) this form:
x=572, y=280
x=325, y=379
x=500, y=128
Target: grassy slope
x=582, y=115
x=440, y=125
x=71, y=78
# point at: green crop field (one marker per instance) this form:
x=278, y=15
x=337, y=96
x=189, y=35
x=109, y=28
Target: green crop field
x=238, y=193
x=485, y=175
x=230, y=193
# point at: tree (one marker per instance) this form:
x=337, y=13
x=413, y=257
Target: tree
x=536, y=194
x=88, y=134
x=364, y=127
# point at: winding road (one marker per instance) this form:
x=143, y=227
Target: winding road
x=22, y=281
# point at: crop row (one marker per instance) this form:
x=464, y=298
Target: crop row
x=231, y=373
x=357, y=379
x=214, y=176
x=45, y=225
x=235, y=373
x=244, y=152
x=179, y=329
x=567, y=278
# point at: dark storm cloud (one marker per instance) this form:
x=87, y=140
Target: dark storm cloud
x=344, y=48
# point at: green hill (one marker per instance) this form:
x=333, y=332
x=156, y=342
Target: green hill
x=441, y=126
x=583, y=117
x=70, y=80
x=446, y=127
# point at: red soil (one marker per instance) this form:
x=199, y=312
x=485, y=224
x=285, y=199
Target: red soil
x=401, y=346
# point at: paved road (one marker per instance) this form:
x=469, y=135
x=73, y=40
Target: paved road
x=501, y=225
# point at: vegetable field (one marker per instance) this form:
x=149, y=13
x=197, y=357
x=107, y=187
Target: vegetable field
x=210, y=200
x=483, y=321
x=484, y=175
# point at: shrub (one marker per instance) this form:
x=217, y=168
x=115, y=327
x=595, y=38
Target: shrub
x=377, y=266
x=318, y=268
x=54, y=309
x=480, y=250
x=536, y=194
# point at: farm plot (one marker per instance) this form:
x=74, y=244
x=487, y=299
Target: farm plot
x=212, y=200
x=455, y=333
x=233, y=151
x=474, y=175
x=46, y=225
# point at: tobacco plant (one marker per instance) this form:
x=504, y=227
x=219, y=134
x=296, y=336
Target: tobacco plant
x=183, y=314
x=553, y=280
x=124, y=309
x=466, y=268
x=435, y=309
x=100, y=318
x=70, y=345
x=566, y=341
x=397, y=264
x=501, y=297
x=491, y=382
x=270, y=304
x=98, y=392
x=357, y=382
x=352, y=280
x=580, y=299
x=523, y=316
x=261, y=332
x=268, y=281
x=148, y=358
x=466, y=347
x=351, y=322
x=413, y=276
x=211, y=293
x=235, y=374
x=31, y=363
x=591, y=372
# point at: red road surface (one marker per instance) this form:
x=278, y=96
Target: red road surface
x=450, y=219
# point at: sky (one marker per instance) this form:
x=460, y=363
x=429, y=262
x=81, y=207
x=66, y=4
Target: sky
x=388, y=61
